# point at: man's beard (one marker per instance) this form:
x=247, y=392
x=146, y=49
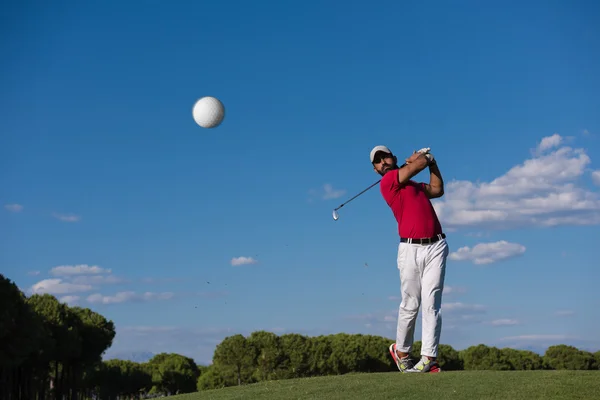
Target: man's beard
x=387, y=168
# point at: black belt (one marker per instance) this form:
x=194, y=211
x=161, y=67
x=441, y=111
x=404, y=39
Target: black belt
x=424, y=240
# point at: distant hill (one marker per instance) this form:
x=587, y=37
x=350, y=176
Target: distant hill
x=136, y=356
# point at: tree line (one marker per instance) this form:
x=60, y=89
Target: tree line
x=49, y=350
x=264, y=355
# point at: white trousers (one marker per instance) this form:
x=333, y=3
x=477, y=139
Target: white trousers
x=422, y=272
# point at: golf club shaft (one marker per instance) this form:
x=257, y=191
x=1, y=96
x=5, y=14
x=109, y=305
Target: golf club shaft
x=348, y=201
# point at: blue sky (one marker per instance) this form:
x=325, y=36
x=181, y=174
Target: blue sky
x=114, y=199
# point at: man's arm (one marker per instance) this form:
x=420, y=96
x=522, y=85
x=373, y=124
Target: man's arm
x=414, y=164
x=435, y=188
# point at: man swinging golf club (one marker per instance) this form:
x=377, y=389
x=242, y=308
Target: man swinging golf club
x=422, y=253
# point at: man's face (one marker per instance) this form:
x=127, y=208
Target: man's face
x=384, y=162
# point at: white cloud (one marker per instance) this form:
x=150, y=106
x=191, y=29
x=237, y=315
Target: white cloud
x=75, y=279
x=57, y=286
x=243, y=260
x=487, y=253
x=462, y=307
x=97, y=279
x=71, y=300
x=540, y=337
x=477, y=234
x=14, y=207
x=122, y=297
x=596, y=177
x=66, y=217
x=68, y=270
x=149, y=329
x=33, y=273
x=331, y=193
x=540, y=192
x=504, y=322
x=328, y=192
x=565, y=313
x=453, y=289
x=549, y=142
x=460, y=315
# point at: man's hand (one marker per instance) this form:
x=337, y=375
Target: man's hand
x=414, y=156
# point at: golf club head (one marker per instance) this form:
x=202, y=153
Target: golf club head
x=335, y=215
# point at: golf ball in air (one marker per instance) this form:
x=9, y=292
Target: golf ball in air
x=208, y=112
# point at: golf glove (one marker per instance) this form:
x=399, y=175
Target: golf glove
x=430, y=158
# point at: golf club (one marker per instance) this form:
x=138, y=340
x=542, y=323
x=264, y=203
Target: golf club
x=336, y=216
x=335, y=213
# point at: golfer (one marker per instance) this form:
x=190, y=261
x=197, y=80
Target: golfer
x=422, y=253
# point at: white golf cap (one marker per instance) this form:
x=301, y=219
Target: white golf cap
x=379, y=148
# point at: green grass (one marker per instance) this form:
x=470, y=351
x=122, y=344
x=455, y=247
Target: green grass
x=446, y=385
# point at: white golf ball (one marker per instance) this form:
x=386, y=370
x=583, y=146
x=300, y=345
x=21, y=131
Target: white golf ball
x=208, y=112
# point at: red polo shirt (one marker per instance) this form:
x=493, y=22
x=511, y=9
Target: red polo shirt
x=410, y=205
